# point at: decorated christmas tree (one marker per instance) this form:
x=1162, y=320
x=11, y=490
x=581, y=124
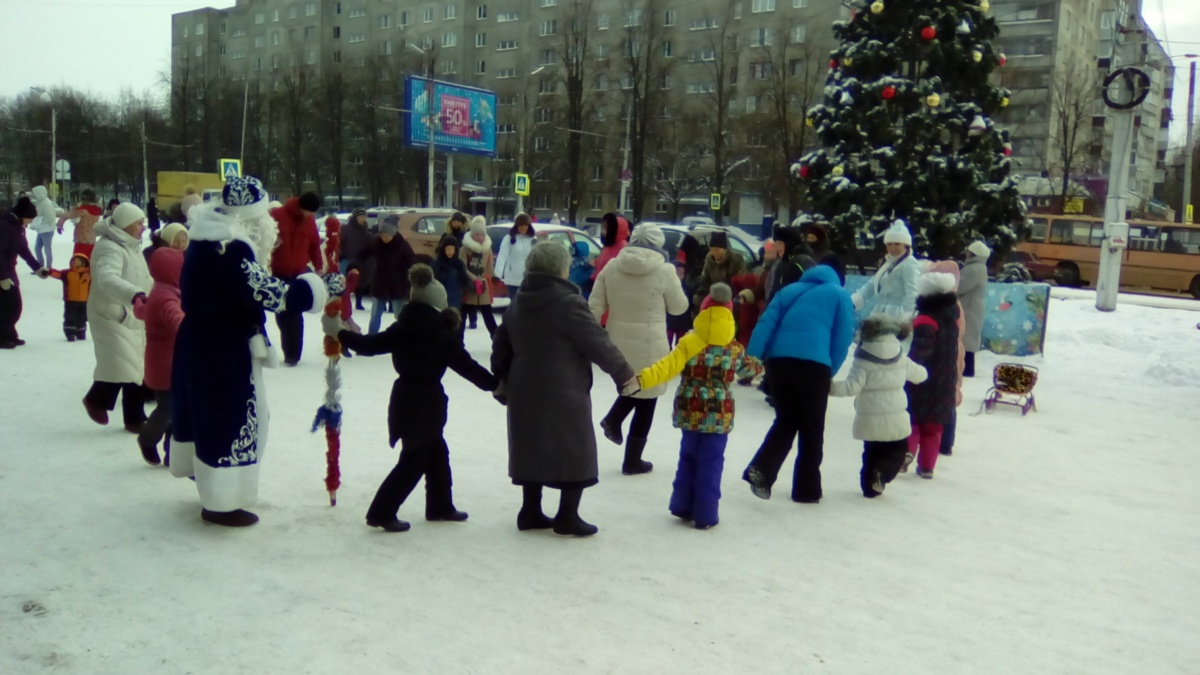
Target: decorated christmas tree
x=907, y=132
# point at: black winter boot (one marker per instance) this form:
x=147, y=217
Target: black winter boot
x=612, y=431
x=238, y=518
x=531, y=516
x=393, y=524
x=567, y=521
x=634, y=464
x=149, y=453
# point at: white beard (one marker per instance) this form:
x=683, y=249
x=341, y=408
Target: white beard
x=262, y=234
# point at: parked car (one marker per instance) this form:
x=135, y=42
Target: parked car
x=1039, y=269
x=745, y=244
x=421, y=228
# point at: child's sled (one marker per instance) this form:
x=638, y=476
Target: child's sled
x=1012, y=384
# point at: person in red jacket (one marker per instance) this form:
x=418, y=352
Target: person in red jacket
x=298, y=248
x=163, y=312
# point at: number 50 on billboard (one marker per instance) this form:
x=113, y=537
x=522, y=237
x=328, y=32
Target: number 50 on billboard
x=464, y=118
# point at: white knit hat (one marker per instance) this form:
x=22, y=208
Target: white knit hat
x=425, y=288
x=898, y=234
x=978, y=248
x=126, y=214
x=648, y=235
x=935, y=283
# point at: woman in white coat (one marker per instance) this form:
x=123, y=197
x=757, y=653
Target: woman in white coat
x=120, y=282
x=637, y=290
x=894, y=287
x=876, y=380
x=972, y=287
x=514, y=249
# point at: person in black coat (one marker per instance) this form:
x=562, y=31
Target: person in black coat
x=356, y=239
x=817, y=237
x=13, y=244
x=392, y=257
x=796, y=259
x=935, y=346
x=450, y=270
x=423, y=342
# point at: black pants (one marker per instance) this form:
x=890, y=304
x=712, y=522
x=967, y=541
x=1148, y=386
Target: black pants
x=430, y=459
x=643, y=414
x=968, y=364
x=291, y=335
x=159, y=423
x=133, y=405
x=884, y=458
x=470, y=311
x=800, y=390
x=10, y=314
x=75, y=319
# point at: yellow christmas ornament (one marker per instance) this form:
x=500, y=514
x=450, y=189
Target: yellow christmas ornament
x=933, y=100
x=1004, y=102
x=839, y=170
x=810, y=122
x=848, y=61
x=877, y=7
x=977, y=56
x=985, y=5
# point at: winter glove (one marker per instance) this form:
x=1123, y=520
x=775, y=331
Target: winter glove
x=332, y=325
x=479, y=287
x=501, y=394
x=747, y=296
x=139, y=307
x=631, y=387
x=6, y=284
x=335, y=284
x=44, y=273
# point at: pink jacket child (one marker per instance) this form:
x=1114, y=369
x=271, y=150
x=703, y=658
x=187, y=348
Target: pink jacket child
x=614, y=236
x=162, y=313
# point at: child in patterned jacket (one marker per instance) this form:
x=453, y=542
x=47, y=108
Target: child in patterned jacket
x=710, y=360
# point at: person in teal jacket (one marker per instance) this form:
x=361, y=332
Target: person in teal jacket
x=894, y=287
x=803, y=337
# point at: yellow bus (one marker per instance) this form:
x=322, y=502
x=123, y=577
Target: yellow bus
x=1160, y=255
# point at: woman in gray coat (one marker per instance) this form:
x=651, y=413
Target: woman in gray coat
x=543, y=354
x=971, y=289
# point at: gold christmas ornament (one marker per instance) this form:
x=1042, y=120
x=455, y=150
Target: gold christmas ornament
x=977, y=56
x=877, y=7
x=1004, y=102
x=810, y=123
x=933, y=100
x=848, y=61
x=839, y=170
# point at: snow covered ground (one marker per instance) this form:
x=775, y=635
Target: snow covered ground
x=1061, y=542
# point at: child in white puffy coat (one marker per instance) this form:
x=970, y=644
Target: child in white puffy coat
x=876, y=380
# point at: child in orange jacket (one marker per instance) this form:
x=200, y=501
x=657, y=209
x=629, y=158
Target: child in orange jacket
x=77, y=284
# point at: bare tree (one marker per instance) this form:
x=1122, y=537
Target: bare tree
x=720, y=57
x=1067, y=153
x=576, y=27
x=643, y=82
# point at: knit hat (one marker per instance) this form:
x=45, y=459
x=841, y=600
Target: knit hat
x=458, y=217
x=244, y=198
x=479, y=225
x=360, y=211
x=718, y=240
x=390, y=225
x=898, y=234
x=126, y=214
x=719, y=295
x=817, y=230
x=980, y=249
x=25, y=209
x=425, y=287
x=310, y=201
x=168, y=233
x=935, y=283
x=648, y=235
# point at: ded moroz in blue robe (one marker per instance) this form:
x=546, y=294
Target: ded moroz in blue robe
x=218, y=401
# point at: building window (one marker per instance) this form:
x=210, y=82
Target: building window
x=751, y=104
x=702, y=88
x=667, y=50
x=187, y=31
x=541, y=115
x=404, y=19
x=627, y=82
x=337, y=32
x=762, y=6
x=477, y=176
x=450, y=12
x=274, y=15
x=274, y=63
x=355, y=39
x=760, y=70
x=427, y=15
x=337, y=56
x=292, y=12
x=669, y=17
x=797, y=67
x=506, y=45
x=259, y=19
x=505, y=17
x=481, y=12
x=481, y=39
x=274, y=38
x=597, y=172
x=600, y=114
x=799, y=4
x=699, y=55
x=665, y=82
x=546, y=57
x=258, y=63
x=799, y=33
x=310, y=9
x=221, y=49
x=737, y=10
x=260, y=41
x=549, y=27
x=597, y=202
x=199, y=29
x=601, y=82
x=506, y=128
x=547, y=86
x=506, y=73
x=310, y=57
x=450, y=40
x=601, y=52
x=480, y=67
x=549, y=3
x=703, y=24
x=633, y=18
x=761, y=37
x=199, y=50
x=358, y=13
x=238, y=54
x=449, y=66
x=239, y=32
x=385, y=47
x=385, y=21
x=602, y=22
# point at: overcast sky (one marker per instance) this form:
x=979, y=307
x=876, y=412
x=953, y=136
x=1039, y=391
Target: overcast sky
x=104, y=46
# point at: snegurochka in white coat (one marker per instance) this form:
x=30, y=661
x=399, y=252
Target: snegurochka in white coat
x=894, y=287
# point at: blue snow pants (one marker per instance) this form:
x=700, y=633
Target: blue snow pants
x=697, y=487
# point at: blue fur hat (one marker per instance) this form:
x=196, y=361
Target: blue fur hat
x=244, y=198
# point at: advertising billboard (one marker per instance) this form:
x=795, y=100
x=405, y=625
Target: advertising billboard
x=464, y=117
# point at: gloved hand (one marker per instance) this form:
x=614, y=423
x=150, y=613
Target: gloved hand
x=747, y=296
x=6, y=284
x=332, y=325
x=631, y=387
x=479, y=287
x=43, y=273
x=139, y=307
x=335, y=284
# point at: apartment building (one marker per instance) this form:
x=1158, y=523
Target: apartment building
x=1059, y=52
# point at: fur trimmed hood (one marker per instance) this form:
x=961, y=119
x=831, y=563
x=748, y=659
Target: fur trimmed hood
x=475, y=247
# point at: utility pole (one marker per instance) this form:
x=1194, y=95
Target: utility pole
x=145, y=164
x=429, y=94
x=1189, y=149
x=245, y=106
x=623, y=206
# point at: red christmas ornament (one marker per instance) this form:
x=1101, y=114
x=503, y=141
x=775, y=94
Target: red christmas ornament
x=1007, y=151
x=805, y=171
x=928, y=33
x=833, y=64
x=889, y=93
x=1003, y=59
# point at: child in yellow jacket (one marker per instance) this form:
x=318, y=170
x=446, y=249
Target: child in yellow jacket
x=710, y=360
x=77, y=284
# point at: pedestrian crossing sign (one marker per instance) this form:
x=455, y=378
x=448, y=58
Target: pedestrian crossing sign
x=521, y=184
x=714, y=201
x=230, y=168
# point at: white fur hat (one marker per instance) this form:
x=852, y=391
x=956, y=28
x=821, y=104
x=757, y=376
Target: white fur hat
x=479, y=225
x=648, y=235
x=127, y=214
x=935, y=283
x=898, y=234
x=978, y=248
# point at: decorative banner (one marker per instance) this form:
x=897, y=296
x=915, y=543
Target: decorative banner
x=464, y=118
x=1014, y=316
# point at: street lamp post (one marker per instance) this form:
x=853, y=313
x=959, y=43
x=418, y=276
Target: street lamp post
x=53, y=132
x=524, y=132
x=429, y=119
